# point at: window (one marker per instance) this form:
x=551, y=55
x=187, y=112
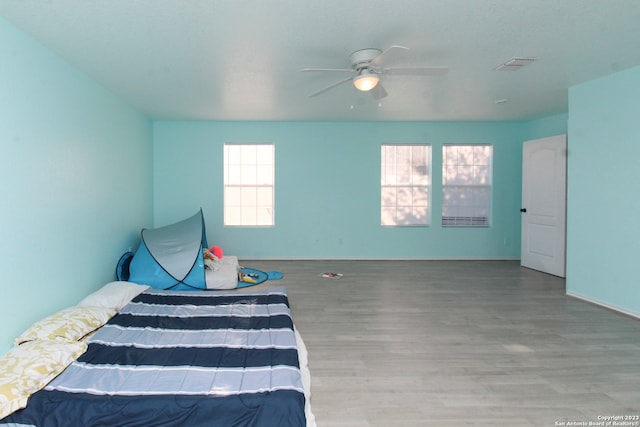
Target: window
x=466, y=185
x=248, y=184
x=405, y=180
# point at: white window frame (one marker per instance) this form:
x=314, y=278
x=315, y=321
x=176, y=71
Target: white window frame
x=405, y=185
x=467, y=185
x=249, y=184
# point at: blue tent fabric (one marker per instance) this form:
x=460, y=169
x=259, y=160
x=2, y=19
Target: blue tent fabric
x=122, y=269
x=274, y=275
x=258, y=276
x=170, y=257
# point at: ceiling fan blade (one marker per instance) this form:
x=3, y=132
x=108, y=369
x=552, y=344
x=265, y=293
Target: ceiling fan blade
x=331, y=70
x=416, y=71
x=378, y=92
x=331, y=86
x=378, y=59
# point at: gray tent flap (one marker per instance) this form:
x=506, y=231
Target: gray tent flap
x=176, y=247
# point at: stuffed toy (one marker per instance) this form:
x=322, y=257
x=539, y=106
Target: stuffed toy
x=212, y=258
x=217, y=251
x=213, y=253
x=208, y=255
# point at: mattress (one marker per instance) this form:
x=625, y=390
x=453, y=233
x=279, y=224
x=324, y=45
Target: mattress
x=226, y=276
x=183, y=358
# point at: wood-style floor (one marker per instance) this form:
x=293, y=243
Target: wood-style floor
x=451, y=343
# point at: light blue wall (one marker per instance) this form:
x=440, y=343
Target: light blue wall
x=546, y=126
x=328, y=188
x=603, y=246
x=75, y=179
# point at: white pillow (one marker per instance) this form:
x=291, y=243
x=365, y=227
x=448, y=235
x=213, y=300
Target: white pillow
x=27, y=368
x=113, y=295
x=71, y=324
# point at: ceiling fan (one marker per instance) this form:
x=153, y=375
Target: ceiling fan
x=367, y=69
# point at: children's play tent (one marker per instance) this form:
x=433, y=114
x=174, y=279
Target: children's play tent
x=170, y=257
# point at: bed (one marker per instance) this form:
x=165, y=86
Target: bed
x=171, y=358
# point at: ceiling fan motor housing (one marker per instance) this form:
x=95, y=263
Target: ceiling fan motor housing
x=361, y=59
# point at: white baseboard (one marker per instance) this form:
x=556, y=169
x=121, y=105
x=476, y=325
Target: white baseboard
x=604, y=304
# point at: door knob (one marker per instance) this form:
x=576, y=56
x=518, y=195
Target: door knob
x=523, y=210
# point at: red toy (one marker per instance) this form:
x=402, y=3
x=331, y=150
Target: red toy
x=217, y=251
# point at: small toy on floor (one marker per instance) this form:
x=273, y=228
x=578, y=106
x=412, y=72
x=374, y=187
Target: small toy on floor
x=334, y=276
x=249, y=278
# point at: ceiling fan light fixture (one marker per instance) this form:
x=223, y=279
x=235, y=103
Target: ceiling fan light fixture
x=366, y=80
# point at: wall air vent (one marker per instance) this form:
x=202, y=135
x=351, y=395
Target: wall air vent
x=514, y=63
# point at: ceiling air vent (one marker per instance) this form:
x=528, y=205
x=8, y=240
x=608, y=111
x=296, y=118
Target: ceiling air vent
x=514, y=63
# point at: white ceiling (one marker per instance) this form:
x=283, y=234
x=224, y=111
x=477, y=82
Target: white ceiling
x=241, y=59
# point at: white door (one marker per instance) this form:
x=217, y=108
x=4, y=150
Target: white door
x=544, y=183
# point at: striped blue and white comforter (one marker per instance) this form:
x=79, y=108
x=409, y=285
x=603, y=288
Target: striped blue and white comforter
x=182, y=359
